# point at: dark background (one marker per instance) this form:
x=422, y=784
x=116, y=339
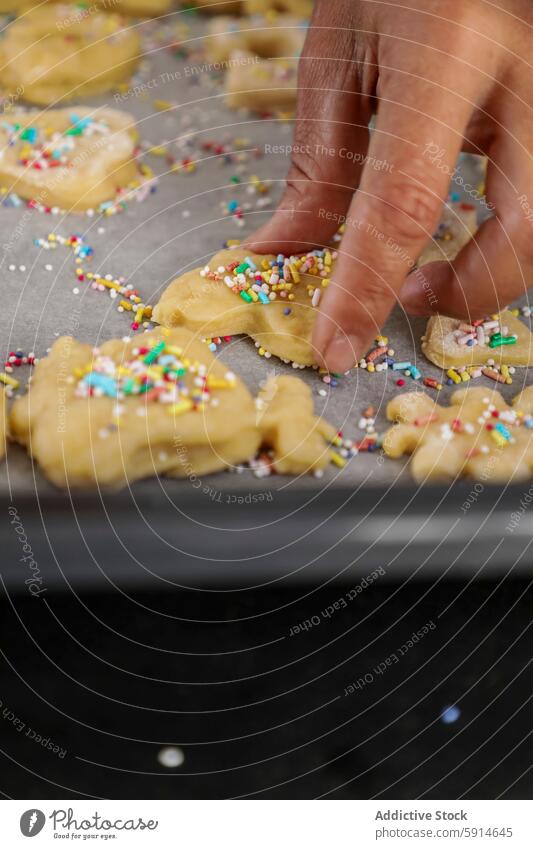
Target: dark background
x=113, y=679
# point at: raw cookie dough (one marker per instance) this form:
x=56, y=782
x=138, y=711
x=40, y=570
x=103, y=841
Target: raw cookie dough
x=283, y=35
x=159, y=404
x=262, y=85
x=74, y=159
x=51, y=63
x=215, y=7
x=299, y=439
x=136, y=8
x=443, y=338
x=300, y=8
x=477, y=436
x=139, y=8
x=207, y=300
x=457, y=225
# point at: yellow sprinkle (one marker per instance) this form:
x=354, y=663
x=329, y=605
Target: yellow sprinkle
x=109, y=284
x=337, y=460
x=162, y=105
x=500, y=440
x=126, y=305
x=336, y=441
x=139, y=315
x=326, y=282
x=452, y=374
x=173, y=349
x=183, y=407
x=382, y=340
x=505, y=373
x=9, y=381
x=220, y=383
x=464, y=376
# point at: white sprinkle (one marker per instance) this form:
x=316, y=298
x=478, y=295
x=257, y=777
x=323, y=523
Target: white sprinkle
x=171, y=757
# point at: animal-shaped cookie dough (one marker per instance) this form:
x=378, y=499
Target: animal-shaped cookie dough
x=300, y=8
x=50, y=61
x=283, y=35
x=159, y=404
x=139, y=8
x=451, y=343
x=216, y=7
x=457, y=225
x=478, y=435
x=262, y=85
x=74, y=159
x=272, y=299
x=299, y=439
x=77, y=10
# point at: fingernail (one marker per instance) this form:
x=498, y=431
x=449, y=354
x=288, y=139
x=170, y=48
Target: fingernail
x=341, y=353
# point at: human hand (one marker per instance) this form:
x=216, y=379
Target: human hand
x=446, y=77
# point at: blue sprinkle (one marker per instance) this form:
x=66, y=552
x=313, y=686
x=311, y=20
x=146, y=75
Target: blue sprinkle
x=263, y=298
x=503, y=430
x=450, y=715
x=470, y=343
x=103, y=382
x=287, y=311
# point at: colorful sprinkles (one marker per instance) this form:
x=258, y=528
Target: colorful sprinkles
x=276, y=278
x=117, y=287
x=161, y=374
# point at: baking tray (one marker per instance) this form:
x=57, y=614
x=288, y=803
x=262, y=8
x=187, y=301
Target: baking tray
x=196, y=531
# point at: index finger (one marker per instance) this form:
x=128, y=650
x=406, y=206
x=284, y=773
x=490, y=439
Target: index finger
x=396, y=208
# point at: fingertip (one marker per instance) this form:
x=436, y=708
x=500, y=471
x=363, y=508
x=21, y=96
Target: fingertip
x=426, y=290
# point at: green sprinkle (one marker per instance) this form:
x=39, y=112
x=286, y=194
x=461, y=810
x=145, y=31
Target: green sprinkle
x=129, y=386
x=152, y=356
x=496, y=341
x=245, y=296
x=242, y=267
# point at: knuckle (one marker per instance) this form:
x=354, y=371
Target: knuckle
x=407, y=211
